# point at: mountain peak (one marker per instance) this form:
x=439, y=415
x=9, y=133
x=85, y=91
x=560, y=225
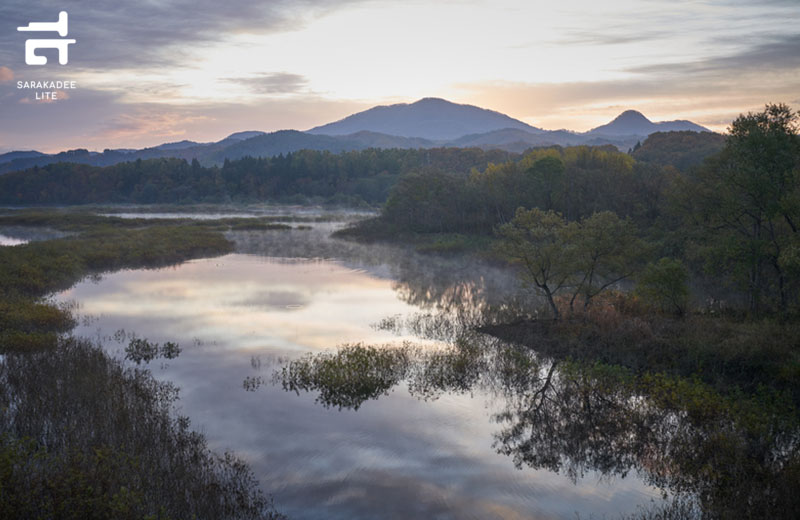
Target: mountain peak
x=428, y=118
x=631, y=116
x=432, y=101
x=634, y=123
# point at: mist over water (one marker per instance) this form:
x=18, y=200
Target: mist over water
x=417, y=447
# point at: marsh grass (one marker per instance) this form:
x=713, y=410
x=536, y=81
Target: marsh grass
x=85, y=437
x=81, y=435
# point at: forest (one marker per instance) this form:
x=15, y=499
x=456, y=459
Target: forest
x=354, y=178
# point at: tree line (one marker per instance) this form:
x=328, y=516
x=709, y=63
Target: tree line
x=348, y=177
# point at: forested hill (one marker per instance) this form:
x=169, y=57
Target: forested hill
x=683, y=150
x=348, y=177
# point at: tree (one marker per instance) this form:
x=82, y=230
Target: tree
x=548, y=178
x=664, y=284
x=539, y=241
x=588, y=256
x=606, y=251
x=748, y=202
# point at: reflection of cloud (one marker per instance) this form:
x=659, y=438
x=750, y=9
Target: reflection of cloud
x=276, y=300
x=396, y=458
x=6, y=75
x=273, y=83
x=236, y=302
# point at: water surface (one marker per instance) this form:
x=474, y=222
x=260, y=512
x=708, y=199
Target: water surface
x=17, y=235
x=6, y=240
x=285, y=294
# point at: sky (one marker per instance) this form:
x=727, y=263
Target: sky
x=155, y=71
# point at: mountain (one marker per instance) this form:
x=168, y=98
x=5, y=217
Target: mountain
x=285, y=141
x=367, y=139
x=241, y=136
x=180, y=145
x=275, y=143
x=516, y=140
x=427, y=123
x=632, y=122
x=12, y=156
x=429, y=118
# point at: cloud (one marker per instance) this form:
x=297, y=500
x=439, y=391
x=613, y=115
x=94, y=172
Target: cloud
x=6, y=75
x=775, y=54
x=710, y=100
x=273, y=83
x=710, y=91
x=114, y=34
x=150, y=121
x=99, y=119
x=136, y=66
x=610, y=36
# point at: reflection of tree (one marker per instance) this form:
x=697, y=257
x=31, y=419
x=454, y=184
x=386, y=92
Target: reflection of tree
x=740, y=459
x=346, y=378
x=574, y=424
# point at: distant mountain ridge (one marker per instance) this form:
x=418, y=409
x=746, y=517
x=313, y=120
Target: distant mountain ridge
x=11, y=156
x=427, y=123
x=429, y=118
x=180, y=145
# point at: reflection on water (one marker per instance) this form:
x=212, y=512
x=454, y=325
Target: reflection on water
x=11, y=241
x=719, y=459
x=301, y=212
x=399, y=447
x=16, y=235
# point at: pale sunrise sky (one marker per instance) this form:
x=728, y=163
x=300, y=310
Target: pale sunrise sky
x=152, y=71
